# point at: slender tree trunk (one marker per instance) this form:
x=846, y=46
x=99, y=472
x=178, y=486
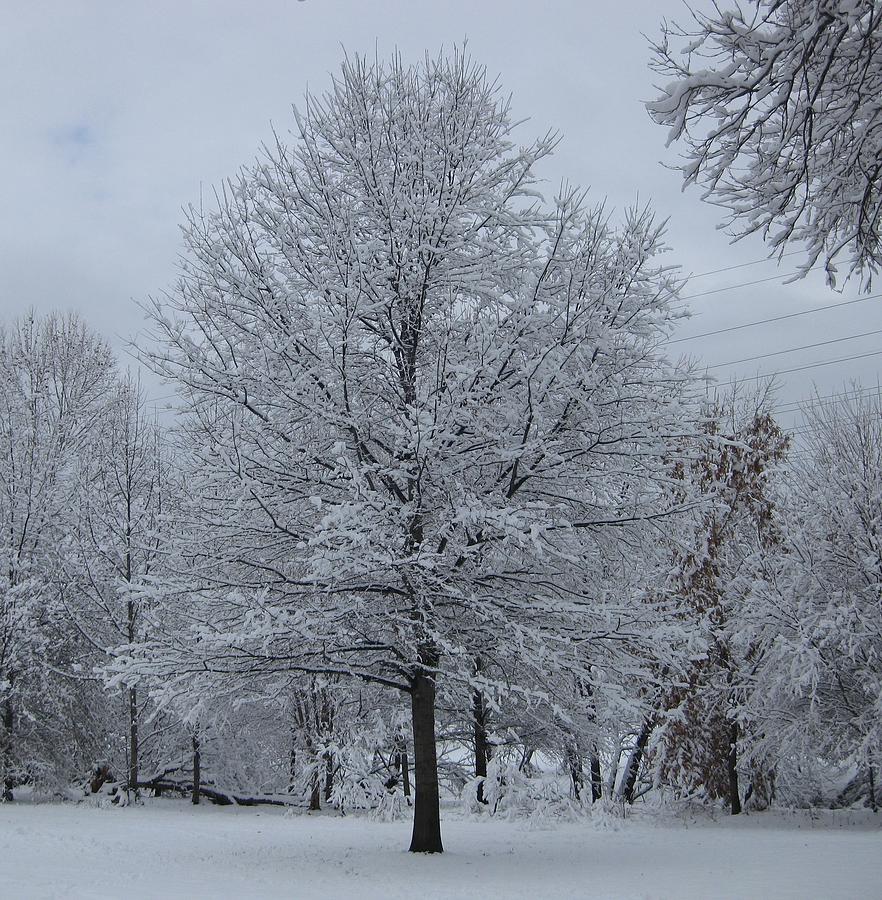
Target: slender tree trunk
x=596, y=779
x=629, y=782
x=871, y=776
x=732, y=768
x=315, y=793
x=405, y=771
x=292, y=764
x=197, y=774
x=609, y=786
x=131, y=614
x=327, y=726
x=8, y=740
x=482, y=747
x=133, y=744
x=427, y=808
x=402, y=764
x=329, y=776
x=577, y=776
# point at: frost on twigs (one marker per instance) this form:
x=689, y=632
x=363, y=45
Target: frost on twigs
x=776, y=106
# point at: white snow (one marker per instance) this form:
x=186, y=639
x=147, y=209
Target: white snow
x=169, y=849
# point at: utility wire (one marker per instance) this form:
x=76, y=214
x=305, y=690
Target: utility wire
x=164, y=397
x=851, y=337
x=817, y=365
x=731, y=287
x=755, y=262
x=805, y=312
x=837, y=397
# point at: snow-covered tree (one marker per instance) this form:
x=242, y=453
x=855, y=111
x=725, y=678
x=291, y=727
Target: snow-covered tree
x=115, y=544
x=820, y=686
x=777, y=104
x=704, y=723
x=54, y=376
x=425, y=406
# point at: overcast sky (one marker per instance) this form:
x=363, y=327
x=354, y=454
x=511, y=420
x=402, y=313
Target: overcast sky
x=115, y=115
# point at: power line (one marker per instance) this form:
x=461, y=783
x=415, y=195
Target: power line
x=805, y=312
x=836, y=397
x=828, y=362
x=851, y=337
x=755, y=262
x=164, y=397
x=801, y=428
x=731, y=287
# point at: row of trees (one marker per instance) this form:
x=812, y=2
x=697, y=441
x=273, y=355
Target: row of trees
x=429, y=446
x=731, y=654
x=83, y=478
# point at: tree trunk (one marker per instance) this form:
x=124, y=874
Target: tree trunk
x=131, y=611
x=315, y=793
x=329, y=776
x=292, y=764
x=482, y=748
x=197, y=774
x=402, y=765
x=871, y=776
x=7, y=743
x=427, y=808
x=405, y=772
x=596, y=780
x=133, y=744
x=574, y=758
x=732, y=767
x=327, y=726
x=629, y=782
x=612, y=773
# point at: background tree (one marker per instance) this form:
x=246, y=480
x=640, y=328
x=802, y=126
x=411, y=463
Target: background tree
x=116, y=543
x=54, y=376
x=704, y=723
x=818, y=690
x=777, y=104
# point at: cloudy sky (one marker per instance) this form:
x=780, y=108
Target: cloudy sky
x=116, y=115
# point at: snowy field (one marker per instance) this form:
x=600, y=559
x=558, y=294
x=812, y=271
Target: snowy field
x=169, y=849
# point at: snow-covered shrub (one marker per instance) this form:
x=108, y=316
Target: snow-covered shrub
x=511, y=792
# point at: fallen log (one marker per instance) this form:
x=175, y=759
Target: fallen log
x=217, y=796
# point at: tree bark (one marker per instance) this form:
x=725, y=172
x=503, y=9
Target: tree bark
x=633, y=768
x=292, y=764
x=131, y=615
x=315, y=793
x=402, y=764
x=7, y=743
x=732, y=768
x=426, y=836
x=329, y=776
x=871, y=776
x=133, y=744
x=596, y=779
x=482, y=747
x=197, y=764
x=574, y=758
x=405, y=772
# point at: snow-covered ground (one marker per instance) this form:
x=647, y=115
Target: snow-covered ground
x=169, y=849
